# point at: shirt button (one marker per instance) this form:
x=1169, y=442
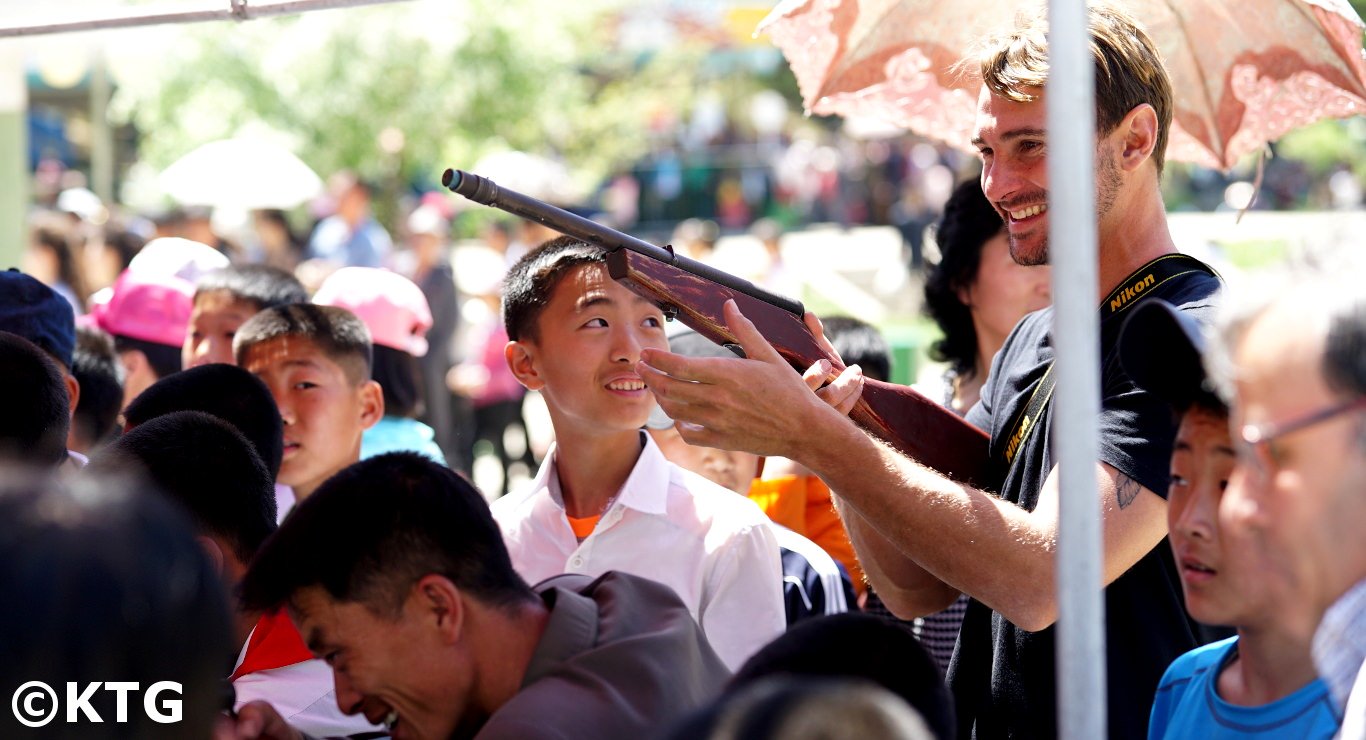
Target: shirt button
x=577, y=562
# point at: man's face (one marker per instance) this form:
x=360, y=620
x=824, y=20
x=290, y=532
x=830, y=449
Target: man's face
x=589, y=338
x=323, y=410
x=213, y=323
x=393, y=669
x=1011, y=139
x=1303, y=490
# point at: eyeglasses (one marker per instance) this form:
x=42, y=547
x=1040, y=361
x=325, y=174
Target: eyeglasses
x=1257, y=438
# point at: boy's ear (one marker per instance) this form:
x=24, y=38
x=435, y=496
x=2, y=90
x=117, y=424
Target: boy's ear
x=371, y=404
x=521, y=359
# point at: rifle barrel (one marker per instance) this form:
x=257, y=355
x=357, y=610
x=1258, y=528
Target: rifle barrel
x=486, y=192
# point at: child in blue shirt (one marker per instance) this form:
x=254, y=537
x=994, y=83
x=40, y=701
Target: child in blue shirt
x=1262, y=683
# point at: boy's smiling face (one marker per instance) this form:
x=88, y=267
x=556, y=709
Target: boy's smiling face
x=583, y=356
x=324, y=410
x=214, y=321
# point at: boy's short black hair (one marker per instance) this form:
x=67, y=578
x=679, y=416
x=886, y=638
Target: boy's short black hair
x=206, y=465
x=373, y=530
x=37, y=414
x=103, y=579
x=97, y=370
x=337, y=332
x=532, y=280
x=398, y=375
x=262, y=286
x=860, y=343
x=225, y=391
x=163, y=358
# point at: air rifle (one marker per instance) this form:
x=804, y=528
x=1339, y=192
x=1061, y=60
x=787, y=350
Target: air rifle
x=694, y=293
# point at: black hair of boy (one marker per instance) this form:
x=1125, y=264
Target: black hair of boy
x=104, y=581
x=37, y=413
x=860, y=343
x=208, y=467
x=163, y=358
x=225, y=391
x=96, y=367
x=397, y=373
x=262, y=286
x=532, y=280
x=336, y=332
x=373, y=530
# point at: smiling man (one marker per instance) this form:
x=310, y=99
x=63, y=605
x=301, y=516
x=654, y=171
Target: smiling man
x=396, y=575
x=923, y=538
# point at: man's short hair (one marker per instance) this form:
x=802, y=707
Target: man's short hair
x=207, y=466
x=860, y=343
x=225, y=391
x=105, y=582
x=37, y=415
x=532, y=280
x=370, y=532
x=1326, y=286
x=336, y=332
x=1129, y=69
x=96, y=368
x=262, y=286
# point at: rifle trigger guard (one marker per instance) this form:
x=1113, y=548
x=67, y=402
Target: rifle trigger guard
x=737, y=349
x=670, y=311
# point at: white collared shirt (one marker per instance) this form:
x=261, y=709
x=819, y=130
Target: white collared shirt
x=1339, y=651
x=713, y=547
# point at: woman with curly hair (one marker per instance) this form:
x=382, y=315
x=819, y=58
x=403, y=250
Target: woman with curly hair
x=976, y=293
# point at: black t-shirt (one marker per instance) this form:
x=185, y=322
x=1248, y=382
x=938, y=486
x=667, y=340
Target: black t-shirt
x=1003, y=677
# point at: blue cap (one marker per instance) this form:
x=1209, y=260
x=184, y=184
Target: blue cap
x=37, y=313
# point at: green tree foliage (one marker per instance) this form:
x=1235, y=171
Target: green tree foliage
x=456, y=80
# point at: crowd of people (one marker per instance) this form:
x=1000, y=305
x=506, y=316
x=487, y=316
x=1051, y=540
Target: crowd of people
x=219, y=476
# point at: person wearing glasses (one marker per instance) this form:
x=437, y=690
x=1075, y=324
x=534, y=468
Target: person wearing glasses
x=1295, y=359
x=1261, y=683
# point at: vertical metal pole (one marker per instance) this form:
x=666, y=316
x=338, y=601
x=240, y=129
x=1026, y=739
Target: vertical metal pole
x=101, y=134
x=14, y=172
x=1072, y=243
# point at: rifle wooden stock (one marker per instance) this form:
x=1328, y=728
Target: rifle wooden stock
x=695, y=293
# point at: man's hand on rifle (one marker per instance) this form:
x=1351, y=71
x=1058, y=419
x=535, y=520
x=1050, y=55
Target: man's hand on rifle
x=757, y=405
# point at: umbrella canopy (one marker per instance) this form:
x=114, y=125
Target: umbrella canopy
x=241, y=173
x=1243, y=72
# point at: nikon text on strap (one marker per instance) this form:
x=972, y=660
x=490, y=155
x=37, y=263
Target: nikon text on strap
x=1132, y=289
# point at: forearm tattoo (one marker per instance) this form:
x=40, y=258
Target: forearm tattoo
x=1126, y=490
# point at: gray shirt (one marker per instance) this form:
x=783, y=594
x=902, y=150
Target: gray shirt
x=621, y=657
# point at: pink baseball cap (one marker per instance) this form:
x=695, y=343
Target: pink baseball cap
x=392, y=307
x=150, y=308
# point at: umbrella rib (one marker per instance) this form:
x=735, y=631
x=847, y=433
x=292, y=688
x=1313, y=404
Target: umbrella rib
x=1204, y=84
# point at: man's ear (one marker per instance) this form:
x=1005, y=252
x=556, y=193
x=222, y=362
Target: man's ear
x=215, y=553
x=437, y=597
x=371, y=404
x=521, y=359
x=1139, y=130
x=73, y=393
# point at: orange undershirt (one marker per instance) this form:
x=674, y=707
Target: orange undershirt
x=582, y=527
x=802, y=504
